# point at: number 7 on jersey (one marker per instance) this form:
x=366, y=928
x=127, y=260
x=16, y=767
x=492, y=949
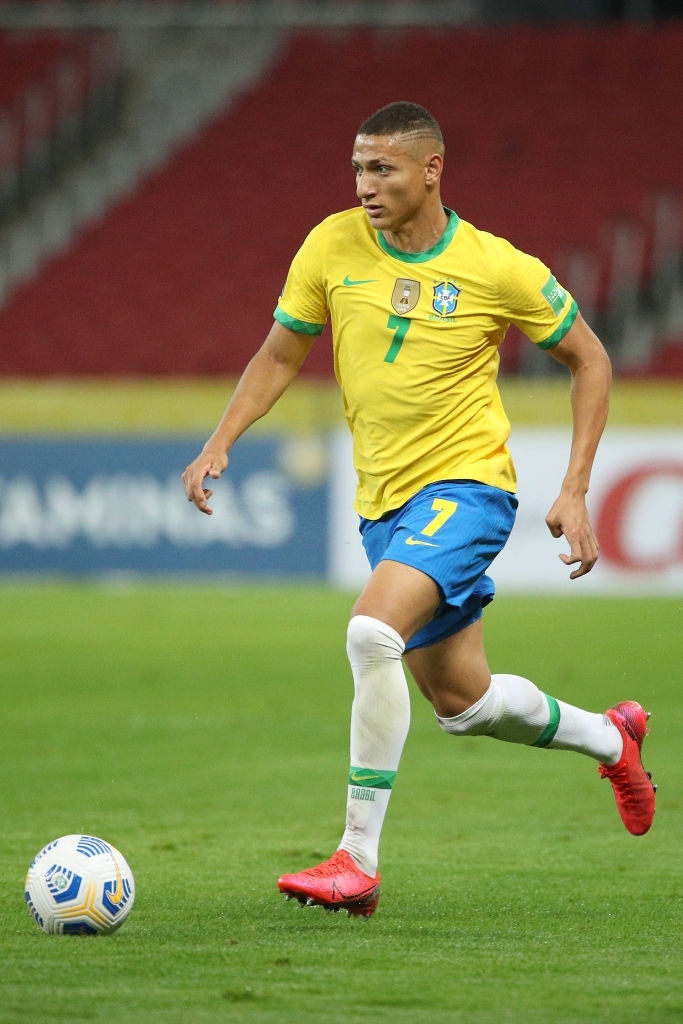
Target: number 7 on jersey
x=399, y=325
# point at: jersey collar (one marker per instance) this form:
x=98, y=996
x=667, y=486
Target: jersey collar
x=423, y=257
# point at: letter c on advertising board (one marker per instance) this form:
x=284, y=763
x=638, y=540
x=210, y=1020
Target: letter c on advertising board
x=614, y=511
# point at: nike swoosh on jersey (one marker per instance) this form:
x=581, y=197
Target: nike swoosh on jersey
x=424, y=543
x=350, y=284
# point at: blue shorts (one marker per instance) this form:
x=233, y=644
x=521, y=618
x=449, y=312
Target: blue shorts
x=452, y=531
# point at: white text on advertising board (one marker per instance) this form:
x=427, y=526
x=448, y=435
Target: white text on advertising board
x=127, y=510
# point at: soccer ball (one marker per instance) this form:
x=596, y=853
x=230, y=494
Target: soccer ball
x=79, y=885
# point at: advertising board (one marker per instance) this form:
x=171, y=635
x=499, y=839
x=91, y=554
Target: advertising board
x=88, y=506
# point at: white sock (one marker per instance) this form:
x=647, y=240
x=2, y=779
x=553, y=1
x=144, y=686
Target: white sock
x=380, y=718
x=515, y=710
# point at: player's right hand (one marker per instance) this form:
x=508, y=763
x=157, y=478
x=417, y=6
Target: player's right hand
x=208, y=463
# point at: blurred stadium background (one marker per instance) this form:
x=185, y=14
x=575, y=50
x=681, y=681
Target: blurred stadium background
x=160, y=163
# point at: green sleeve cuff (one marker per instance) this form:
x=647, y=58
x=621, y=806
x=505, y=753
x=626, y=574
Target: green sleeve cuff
x=300, y=326
x=559, y=333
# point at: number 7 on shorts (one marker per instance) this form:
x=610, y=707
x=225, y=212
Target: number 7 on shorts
x=444, y=510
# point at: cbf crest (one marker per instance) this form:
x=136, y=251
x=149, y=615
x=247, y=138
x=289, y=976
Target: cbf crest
x=405, y=295
x=445, y=298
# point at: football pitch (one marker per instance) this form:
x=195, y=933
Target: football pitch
x=203, y=730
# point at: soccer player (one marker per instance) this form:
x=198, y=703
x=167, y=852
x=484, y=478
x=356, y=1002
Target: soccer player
x=420, y=302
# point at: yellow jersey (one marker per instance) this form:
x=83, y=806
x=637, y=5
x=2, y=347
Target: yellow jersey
x=416, y=339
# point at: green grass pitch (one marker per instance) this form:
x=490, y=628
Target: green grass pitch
x=204, y=731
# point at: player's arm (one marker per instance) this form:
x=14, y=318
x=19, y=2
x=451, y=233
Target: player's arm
x=583, y=353
x=264, y=380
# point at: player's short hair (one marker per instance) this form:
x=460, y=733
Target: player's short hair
x=402, y=118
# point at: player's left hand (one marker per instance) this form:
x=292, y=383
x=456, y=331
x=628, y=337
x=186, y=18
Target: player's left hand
x=569, y=518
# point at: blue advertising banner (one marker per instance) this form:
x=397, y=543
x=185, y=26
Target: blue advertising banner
x=88, y=506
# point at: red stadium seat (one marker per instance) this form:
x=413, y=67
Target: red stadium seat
x=551, y=138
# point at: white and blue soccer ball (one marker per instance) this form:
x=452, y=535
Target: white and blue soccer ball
x=79, y=885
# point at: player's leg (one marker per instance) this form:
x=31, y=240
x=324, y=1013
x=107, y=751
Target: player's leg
x=396, y=601
x=514, y=709
x=508, y=707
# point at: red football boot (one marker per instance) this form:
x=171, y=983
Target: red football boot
x=336, y=884
x=632, y=785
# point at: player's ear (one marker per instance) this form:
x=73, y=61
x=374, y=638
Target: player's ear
x=433, y=168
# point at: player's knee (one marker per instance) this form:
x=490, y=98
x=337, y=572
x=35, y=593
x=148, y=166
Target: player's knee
x=477, y=720
x=368, y=641
x=458, y=726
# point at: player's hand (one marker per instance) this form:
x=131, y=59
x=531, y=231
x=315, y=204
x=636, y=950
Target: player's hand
x=569, y=518
x=211, y=464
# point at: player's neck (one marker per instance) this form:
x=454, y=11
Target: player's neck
x=419, y=234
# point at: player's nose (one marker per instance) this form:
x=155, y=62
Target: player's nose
x=365, y=187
